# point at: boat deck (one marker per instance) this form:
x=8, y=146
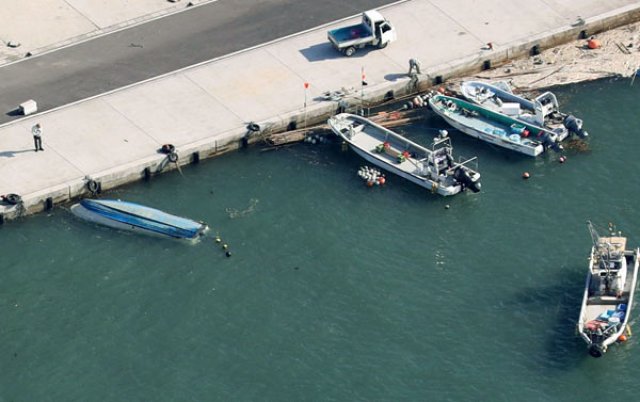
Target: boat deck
x=488, y=127
x=365, y=139
x=598, y=304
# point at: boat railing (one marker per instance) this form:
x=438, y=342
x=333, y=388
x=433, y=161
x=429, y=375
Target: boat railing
x=440, y=142
x=465, y=162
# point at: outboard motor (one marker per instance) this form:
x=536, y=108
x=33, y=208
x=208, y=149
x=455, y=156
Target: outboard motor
x=463, y=178
x=596, y=350
x=548, y=142
x=574, y=125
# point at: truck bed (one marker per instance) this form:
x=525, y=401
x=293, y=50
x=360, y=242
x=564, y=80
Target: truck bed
x=354, y=34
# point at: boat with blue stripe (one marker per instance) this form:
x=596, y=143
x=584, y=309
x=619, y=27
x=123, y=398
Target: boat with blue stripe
x=134, y=217
x=496, y=128
x=541, y=111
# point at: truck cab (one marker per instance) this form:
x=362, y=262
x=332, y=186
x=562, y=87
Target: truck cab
x=381, y=28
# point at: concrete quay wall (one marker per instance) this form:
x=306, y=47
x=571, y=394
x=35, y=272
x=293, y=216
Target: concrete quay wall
x=461, y=62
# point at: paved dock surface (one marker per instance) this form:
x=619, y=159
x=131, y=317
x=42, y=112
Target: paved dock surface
x=95, y=62
x=113, y=137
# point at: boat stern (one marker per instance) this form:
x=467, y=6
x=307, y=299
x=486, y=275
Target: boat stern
x=597, y=350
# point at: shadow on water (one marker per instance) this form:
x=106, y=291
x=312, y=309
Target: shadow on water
x=559, y=305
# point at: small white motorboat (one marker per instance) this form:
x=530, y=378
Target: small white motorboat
x=609, y=290
x=434, y=169
x=541, y=111
x=495, y=127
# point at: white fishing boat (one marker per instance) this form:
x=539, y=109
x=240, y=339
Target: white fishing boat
x=541, y=111
x=609, y=290
x=434, y=169
x=494, y=127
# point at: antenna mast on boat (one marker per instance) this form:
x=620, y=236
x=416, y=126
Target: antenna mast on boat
x=595, y=237
x=599, y=255
x=603, y=249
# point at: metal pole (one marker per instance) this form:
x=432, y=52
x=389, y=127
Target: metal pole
x=306, y=86
x=362, y=91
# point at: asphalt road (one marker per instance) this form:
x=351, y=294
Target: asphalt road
x=161, y=46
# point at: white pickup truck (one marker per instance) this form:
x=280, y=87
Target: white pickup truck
x=374, y=30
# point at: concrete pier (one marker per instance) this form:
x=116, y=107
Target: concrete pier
x=204, y=110
x=47, y=25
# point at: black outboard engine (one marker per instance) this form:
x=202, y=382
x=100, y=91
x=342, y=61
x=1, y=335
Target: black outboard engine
x=596, y=350
x=548, y=142
x=574, y=125
x=463, y=178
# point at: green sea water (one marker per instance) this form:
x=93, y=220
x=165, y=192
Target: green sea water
x=334, y=291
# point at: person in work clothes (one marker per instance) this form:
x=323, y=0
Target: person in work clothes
x=37, y=137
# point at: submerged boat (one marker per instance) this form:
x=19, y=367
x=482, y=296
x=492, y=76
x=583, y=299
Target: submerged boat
x=434, y=169
x=542, y=111
x=609, y=290
x=496, y=128
x=138, y=218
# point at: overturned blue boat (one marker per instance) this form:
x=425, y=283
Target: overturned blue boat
x=138, y=218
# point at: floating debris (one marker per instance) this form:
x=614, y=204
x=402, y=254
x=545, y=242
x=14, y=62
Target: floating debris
x=234, y=213
x=576, y=144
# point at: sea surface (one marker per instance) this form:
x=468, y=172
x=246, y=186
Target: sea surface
x=333, y=291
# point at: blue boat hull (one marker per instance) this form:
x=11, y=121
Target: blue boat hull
x=139, y=218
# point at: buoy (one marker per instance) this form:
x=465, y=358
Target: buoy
x=562, y=159
x=218, y=239
x=593, y=43
x=228, y=253
x=446, y=206
x=370, y=183
x=622, y=338
x=526, y=175
x=224, y=246
x=381, y=180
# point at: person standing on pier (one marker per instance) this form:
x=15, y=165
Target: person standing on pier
x=37, y=137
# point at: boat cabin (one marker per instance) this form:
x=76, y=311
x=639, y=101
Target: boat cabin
x=609, y=266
